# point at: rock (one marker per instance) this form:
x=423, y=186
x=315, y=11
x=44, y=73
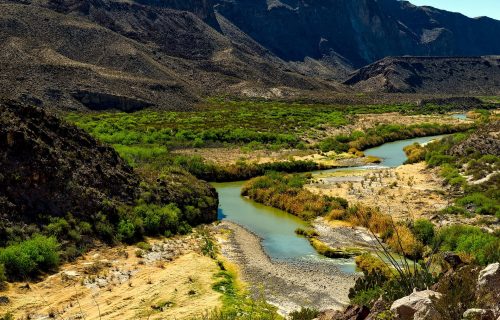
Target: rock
x=479, y=314
x=101, y=283
x=417, y=306
x=69, y=275
x=489, y=280
x=453, y=259
x=351, y=313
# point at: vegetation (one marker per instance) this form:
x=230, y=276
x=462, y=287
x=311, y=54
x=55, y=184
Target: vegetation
x=325, y=250
x=241, y=170
x=236, y=303
x=304, y=314
x=483, y=247
x=479, y=198
x=308, y=233
x=30, y=257
x=384, y=133
x=145, y=138
x=285, y=192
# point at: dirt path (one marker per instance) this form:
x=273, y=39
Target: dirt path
x=288, y=285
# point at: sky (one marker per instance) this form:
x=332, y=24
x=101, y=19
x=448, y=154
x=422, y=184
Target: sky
x=471, y=8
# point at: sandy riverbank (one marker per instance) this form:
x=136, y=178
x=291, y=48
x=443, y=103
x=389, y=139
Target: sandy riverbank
x=288, y=285
x=408, y=191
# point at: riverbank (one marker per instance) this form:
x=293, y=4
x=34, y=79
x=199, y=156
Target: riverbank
x=289, y=285
x=407, y=191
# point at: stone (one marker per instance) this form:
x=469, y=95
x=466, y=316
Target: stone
x=69, y=274
x=351, y=313
x=479, y=314
x=417, y=306
x=489, y=278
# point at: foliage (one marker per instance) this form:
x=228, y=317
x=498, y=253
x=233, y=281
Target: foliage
x=325, y=250
x=424, y=231
x=30, y=257
x=479, y=198
x=236, y=303
x=414, y=153
x=368, y=263
x=308, y=233
x=484, y=247
x=303, y=314
x=285, y=192
x=385, y=133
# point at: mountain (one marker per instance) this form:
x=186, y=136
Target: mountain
x=360, y=31
x=468, y=75
x=170, y=54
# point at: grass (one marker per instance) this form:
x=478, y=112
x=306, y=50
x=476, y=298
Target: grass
x=236, y=302
x=286, y=192
x=145, y=138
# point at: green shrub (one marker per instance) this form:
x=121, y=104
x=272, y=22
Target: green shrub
x=126, y=231
x=484, y=247
x=308, y=233
x=144, y=246
x=480, y=203
x=30, y=257
x=424, y=230
x=303, y=314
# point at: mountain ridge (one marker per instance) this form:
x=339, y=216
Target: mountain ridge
x=99, y=54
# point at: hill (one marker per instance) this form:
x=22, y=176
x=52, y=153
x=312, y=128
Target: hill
x=129, y=55
x=51, y=171
x=467, y=75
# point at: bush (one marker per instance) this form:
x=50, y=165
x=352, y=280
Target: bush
x=424, y=230
x=482, y=246
x=286, y=192
x=304, y=314
x=480, y=204
x=144, y=246
x=30, y=257
x=368, y=263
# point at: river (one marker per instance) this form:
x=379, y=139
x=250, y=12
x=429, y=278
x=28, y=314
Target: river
x=276, y=228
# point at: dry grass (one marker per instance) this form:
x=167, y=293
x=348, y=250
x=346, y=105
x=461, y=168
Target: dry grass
x=171, y=290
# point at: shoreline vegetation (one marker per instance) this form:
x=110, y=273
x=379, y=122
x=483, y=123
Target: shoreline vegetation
x=146, y=139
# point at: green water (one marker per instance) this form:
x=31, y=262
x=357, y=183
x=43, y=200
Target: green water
x=276, y=227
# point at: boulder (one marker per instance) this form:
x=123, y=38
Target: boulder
x=479, y=314
x=417, y=306
x=489, y=279
x=351, y=313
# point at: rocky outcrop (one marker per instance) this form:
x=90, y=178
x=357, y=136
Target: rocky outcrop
x=417, y=306
x=351, y=313
x=106, y=101
x=48, y=167
x=486, y=140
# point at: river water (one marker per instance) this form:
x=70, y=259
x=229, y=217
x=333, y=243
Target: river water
x=276, y=228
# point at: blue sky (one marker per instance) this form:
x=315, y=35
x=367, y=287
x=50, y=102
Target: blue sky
x=471, y=8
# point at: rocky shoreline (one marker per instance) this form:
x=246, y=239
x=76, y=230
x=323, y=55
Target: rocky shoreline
x=289, y=285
